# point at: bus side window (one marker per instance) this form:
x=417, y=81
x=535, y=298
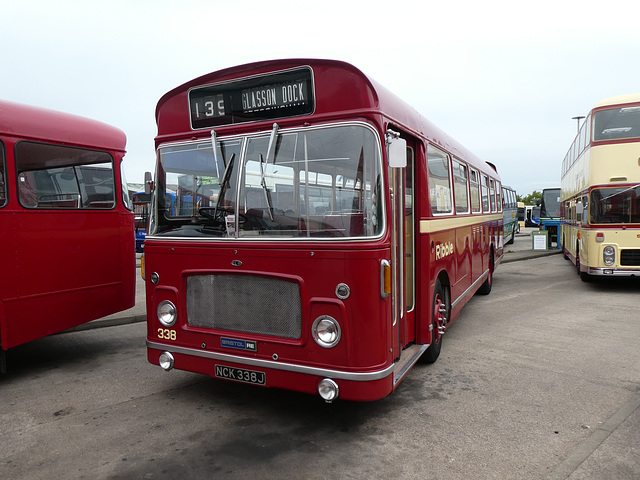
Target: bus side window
x=585, y=209
x=439, y=180
x=474, y=183
x=54, y=176
x=460, y=187
x=578, y=211
x=485, y=193
x=492, y=194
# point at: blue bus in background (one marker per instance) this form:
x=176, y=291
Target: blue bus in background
x=532, y=216
x=510, y=214
x=141, y=202
x=550, y=215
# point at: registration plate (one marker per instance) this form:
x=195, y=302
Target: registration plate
x=241, y=375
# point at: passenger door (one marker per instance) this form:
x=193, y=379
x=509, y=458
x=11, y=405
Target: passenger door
x=403, y=250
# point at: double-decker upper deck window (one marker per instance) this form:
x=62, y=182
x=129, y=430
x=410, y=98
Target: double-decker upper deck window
x=439, y=179
x=305, y=183
x=3, y=183
x=498, y=196
x=617, y=123
x=460, y=187
x=53, y=176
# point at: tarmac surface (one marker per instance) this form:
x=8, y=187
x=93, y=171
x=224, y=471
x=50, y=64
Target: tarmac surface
x=613, y=446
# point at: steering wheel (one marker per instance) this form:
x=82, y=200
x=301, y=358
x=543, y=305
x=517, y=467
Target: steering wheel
x=216, y=216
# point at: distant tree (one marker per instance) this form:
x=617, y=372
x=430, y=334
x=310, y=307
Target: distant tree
x=532, y=199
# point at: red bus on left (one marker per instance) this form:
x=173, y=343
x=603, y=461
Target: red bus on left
x=66, y=224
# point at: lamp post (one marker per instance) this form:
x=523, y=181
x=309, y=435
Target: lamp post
x=578, y=119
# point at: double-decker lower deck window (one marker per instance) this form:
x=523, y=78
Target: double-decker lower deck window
x=54, y=176
x=615, y=205
x=313, y=182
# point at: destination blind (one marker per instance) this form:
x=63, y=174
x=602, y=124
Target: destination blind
x=264, y=97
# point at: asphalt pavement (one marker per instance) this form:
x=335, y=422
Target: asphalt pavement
x=611, y=451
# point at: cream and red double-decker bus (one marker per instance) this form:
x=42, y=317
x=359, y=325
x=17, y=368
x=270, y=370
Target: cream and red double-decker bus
x=310, y=231
x=601, y=191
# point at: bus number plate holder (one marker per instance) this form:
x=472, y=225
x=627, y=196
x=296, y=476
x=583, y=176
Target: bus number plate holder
x=241, y=375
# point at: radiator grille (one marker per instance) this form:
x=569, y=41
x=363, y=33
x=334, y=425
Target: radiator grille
x=245, y=303
x=630, y=258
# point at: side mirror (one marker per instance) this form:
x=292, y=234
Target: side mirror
x=148, y=183
x=396, y=150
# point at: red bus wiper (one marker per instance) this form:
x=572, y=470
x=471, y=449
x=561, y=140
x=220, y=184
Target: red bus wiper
x=224, y=185
x=270, y=149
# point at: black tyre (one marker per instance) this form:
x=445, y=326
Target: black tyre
x=485, y=288
x=439, y=317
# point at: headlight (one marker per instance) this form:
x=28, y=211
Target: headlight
x=166, y=361
x=328, y=390
x=167, y=313
x=609, y=255
x=326, y=331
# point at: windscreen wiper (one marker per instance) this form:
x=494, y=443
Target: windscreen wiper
x=214, y=141
x=270, y=152
x=267, y=193
x=226, y=180
x=272, y=142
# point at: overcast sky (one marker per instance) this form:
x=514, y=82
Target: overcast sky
x=504, y=78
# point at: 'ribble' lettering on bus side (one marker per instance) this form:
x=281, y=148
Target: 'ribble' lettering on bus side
x=443, y=250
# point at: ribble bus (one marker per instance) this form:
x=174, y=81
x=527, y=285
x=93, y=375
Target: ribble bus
x=323, y=245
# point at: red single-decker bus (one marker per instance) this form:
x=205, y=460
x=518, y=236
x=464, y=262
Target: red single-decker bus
x=310, y=231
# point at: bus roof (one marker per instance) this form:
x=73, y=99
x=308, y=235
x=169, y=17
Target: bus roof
x=36, y=123
x=358, y=94
x=618, y=100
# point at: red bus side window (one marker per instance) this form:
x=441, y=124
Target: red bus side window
x=53, y=176
x=439, y=178
x=460, y=187
x=474, y=183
